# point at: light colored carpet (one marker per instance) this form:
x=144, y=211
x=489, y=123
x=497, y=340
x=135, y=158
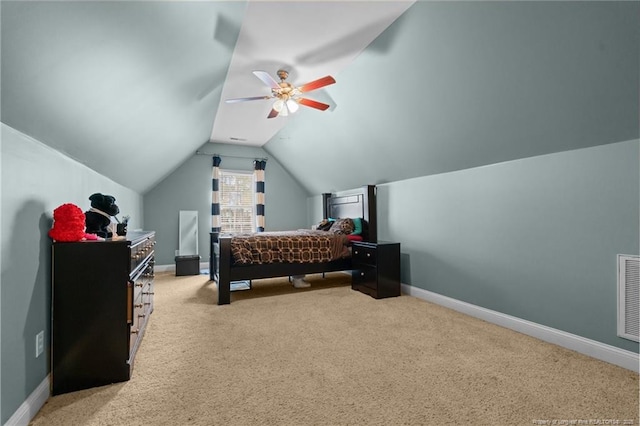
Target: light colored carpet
x=331, y=356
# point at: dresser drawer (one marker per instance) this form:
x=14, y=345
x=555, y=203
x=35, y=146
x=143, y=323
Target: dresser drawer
x=142, y=281
x=147, y=297
x=364, y=255
x=137, y=316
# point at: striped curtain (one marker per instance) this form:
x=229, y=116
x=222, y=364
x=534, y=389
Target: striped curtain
x=215, y=194
x=258, y=173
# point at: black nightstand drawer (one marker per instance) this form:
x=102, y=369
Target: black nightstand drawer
x=365, y=276
x=364, y=254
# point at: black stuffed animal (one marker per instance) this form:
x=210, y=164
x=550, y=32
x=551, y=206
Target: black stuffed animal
x=98, y=217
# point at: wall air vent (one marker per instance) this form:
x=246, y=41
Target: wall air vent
x=629, y=297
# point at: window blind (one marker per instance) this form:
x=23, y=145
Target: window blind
x=237, y=204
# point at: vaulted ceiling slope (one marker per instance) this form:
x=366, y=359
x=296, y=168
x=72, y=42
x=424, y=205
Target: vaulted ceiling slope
x=467, y=84
x=115, y=84
x=443, y=86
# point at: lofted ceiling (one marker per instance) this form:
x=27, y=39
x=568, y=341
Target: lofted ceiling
x=116, y=84
x=423, y=87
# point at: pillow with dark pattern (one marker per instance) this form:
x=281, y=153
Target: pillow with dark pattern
x=325, y=225
x=342, y=226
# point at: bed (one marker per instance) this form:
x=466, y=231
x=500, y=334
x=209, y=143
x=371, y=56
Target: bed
x=359, y=203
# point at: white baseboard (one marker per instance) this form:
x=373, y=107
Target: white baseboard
x=611, y=354
x=164, y=268
x=30, y=407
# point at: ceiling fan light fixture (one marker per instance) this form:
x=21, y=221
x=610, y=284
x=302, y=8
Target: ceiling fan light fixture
x=286, y=94
x=292, y=106
x=278, y=105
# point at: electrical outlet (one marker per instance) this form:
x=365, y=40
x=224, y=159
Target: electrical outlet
x=39, y=343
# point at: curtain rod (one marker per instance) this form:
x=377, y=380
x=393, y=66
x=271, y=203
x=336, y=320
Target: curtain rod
x=232, y=156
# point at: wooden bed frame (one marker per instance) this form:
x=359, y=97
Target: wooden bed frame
x=361, y=203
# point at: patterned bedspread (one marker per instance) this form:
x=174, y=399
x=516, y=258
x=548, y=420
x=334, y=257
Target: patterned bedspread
x=301, y=246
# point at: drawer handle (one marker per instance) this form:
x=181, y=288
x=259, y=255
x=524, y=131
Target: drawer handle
x=148, y=292
x=357, y=252
x=134, y=331
x=138, y=305
x=368, y=254
x=139, y=284
x=362, y=274
x=142, y=315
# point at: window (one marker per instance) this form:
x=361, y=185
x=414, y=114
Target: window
x=237, y=205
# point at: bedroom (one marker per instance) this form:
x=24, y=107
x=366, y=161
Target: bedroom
x=503, y=139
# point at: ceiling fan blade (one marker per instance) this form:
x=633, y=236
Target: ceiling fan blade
x=266, y=79
x=273, y=114
x=313, y=104
x=253, y=98
x=316, y=84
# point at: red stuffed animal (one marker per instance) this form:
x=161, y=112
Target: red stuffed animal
x=69, y=224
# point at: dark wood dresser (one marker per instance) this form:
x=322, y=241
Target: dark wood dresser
x=376, y=268
x=102, y=296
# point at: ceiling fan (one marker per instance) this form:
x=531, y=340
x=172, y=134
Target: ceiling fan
x=287, y=95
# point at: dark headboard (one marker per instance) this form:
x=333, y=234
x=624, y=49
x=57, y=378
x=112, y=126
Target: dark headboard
x=357, y=203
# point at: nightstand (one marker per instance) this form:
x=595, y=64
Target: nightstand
x=376, y=268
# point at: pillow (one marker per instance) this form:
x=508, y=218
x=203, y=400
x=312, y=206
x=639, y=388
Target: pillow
x=357, y=226
x=352, y=237
x=342, y=226
x=324, y=225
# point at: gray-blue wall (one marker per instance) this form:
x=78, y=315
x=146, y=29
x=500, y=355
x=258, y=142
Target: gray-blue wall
x=535, y=238
x=189, y=188
x=35, y=180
